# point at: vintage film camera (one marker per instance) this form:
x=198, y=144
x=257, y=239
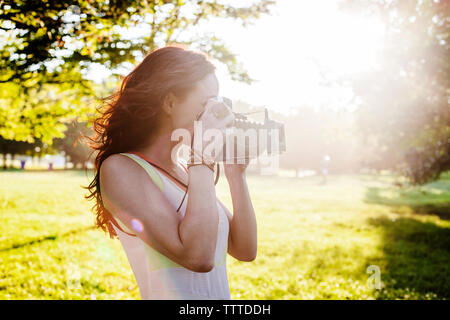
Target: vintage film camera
x=268, y=135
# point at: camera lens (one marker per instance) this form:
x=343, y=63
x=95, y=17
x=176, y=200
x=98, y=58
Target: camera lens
x=228, y=102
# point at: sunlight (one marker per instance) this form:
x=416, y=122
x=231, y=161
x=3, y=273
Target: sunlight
x=284, y=51
x=295, y=57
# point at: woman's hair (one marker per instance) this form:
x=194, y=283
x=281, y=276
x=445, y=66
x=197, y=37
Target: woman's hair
x=129, y=117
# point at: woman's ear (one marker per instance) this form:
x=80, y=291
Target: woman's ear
x=169, y=103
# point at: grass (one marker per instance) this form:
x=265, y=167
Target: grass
x=315, y=241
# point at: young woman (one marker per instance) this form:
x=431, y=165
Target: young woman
x=139, y=184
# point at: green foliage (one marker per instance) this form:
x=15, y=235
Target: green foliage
x=39, y=112
x=48, y=47
x=315, y=244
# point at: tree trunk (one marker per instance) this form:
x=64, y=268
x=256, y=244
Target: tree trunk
x=13, y=155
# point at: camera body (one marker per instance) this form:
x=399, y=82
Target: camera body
x=247, y=139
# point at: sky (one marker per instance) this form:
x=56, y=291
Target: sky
x=290, y=51
x=282, y=52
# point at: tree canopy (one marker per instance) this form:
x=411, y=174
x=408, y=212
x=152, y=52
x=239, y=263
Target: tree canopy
x=49, y=47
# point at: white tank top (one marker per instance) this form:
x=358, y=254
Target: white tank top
x=157, y=276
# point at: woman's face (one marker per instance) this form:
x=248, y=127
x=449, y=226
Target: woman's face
x=185, y=111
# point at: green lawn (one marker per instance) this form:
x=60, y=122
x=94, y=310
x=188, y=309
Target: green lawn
x=315, y=241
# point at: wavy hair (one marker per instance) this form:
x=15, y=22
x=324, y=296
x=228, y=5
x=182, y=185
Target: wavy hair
x=130, y=116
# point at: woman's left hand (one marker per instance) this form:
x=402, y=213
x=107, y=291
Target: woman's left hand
x=235, y=170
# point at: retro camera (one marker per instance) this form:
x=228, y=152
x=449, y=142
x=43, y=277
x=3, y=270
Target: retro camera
x=247, y=139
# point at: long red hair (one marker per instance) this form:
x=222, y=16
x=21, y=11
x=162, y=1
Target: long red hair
x=130, y=116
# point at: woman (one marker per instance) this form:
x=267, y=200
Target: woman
x=138, y=184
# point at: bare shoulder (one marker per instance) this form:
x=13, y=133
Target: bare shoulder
x=126, y=187
x=115, y=160
x=116, y=168
x=117, y=163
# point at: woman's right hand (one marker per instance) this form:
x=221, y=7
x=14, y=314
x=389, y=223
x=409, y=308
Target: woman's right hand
x=216, y=116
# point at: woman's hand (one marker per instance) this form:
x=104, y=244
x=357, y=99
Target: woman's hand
x=235, y=171
x=216, y=117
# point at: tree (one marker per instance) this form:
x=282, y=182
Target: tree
x=14, y=147
x=48, y=47
x=405, y=110
x=71, y=145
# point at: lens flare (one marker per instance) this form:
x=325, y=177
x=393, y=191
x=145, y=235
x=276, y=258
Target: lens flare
x=137, y=225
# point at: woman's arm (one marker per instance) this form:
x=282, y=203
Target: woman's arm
x=129, y=194
x=242, y=241
x=198, y=229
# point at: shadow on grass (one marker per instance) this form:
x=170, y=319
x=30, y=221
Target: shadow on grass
x=69, y=172
x=46, y=238
x=417, y=259
x=433, y=199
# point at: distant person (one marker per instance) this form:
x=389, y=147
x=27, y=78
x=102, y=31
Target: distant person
x=324, y=169
x=139, y=183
